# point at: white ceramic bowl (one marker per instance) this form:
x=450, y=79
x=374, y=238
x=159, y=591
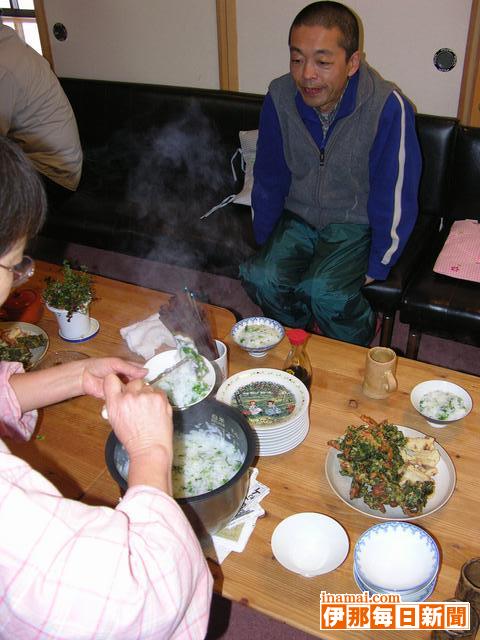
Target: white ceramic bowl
x=396, y=557
x=257, y=323
x=166, y=359
x=310, y=544
x=444, y=386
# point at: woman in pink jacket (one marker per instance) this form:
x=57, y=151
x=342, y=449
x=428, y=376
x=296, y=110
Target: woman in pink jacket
x=69, y=570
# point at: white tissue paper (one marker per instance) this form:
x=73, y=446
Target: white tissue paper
x=146, y=336
x=235, y=535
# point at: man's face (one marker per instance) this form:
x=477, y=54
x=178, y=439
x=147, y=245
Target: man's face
x=319, y=66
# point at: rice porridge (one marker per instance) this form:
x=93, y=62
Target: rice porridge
x=202, y=461
x=257, y=335
x=442, y=405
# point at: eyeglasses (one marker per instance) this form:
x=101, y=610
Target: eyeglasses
x=22, y=271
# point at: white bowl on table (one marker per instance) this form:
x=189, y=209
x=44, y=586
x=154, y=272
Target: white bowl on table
x=167, y=359
x=257, y=335
x=444, y=387
x=310, y=544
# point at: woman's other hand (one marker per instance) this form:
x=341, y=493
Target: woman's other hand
x=142, y=420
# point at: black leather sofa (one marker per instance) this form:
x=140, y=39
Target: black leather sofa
x=435, y=303
x=157, y=157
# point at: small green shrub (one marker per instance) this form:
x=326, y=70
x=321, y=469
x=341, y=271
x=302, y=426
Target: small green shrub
x=72, y=292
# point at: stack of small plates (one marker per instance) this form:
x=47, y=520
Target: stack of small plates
x=275, y=404
x=396, y=557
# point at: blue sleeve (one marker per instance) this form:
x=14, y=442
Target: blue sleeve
x=395, y=166
x=271, y=175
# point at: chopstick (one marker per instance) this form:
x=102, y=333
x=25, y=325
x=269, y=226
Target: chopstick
x=183, y=315
x=166, y=371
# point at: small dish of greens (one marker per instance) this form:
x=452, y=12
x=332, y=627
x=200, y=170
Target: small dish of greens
x=22, y=342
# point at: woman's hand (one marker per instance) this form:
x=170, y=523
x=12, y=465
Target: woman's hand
x=97, y=369
x=142, y=420
x=37, y=389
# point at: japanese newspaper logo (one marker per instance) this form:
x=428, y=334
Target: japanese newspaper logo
x=387, y=611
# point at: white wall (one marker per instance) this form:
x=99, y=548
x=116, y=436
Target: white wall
x=401, y=38
x=154, y=41
x=175, y=42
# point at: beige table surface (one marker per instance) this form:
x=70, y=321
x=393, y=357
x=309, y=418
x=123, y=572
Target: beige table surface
x=71, y=454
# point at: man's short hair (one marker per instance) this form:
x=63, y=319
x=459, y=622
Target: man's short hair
x=329, y=15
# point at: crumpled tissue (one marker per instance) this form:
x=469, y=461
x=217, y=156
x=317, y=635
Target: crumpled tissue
x=146, y=336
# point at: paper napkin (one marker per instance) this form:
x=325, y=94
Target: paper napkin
x=146, y=336
x=235, y=535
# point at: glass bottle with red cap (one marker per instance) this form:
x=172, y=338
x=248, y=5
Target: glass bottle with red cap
x=297, y=362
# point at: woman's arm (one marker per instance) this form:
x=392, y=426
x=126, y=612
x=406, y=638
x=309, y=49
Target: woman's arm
x=38, y=389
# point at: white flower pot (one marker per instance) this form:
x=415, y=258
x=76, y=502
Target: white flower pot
x=74, y=328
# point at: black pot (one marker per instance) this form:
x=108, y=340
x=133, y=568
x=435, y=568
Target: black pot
x=210, y=511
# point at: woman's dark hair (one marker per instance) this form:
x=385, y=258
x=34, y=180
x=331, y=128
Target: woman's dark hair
x=329, y=15
x=23, y=202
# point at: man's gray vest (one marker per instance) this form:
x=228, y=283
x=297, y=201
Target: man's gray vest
x=335, y=190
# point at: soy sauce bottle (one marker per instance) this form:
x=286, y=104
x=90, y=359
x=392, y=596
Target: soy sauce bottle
x=297, y=362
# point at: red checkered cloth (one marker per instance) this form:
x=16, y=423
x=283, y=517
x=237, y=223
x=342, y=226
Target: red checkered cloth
x=460, y=255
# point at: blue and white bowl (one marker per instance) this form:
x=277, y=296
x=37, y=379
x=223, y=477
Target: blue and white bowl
x=257, y=335
x=396, y=557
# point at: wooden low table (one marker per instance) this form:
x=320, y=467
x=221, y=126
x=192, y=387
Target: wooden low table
x=68, y=448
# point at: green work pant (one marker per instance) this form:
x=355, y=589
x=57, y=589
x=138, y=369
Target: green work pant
x=302, y=275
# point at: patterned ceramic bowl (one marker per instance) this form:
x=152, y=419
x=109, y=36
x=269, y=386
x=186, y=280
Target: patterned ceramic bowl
x=396, y=557
x=257, y=335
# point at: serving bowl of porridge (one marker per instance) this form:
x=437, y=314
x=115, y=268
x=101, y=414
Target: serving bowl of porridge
x=213, y=449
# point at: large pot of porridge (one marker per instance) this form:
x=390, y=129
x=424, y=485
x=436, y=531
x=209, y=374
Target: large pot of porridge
x=214, y=448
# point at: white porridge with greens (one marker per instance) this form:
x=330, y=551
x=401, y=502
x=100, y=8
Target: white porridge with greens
x=202, y=461
x=442, y=405
x=257, y=335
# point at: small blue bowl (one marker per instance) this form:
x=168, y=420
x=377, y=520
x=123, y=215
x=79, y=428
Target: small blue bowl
x=257, y=335
x=396, y=557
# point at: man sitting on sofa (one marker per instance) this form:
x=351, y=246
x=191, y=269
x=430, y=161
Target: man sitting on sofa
x=335, y=181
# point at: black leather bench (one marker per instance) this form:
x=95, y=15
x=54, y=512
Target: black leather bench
x=158, y=157
x=435, y=303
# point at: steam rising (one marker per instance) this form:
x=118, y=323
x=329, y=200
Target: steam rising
x=183, y=169
x=146, y=189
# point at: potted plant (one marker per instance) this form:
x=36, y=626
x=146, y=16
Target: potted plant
x=69, y=299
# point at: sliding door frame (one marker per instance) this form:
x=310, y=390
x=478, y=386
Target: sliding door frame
x=42, y=25
x=227, y=44
x=469, y=103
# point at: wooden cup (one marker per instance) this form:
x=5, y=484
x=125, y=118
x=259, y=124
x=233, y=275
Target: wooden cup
x=468, y=587
x=380, y=367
